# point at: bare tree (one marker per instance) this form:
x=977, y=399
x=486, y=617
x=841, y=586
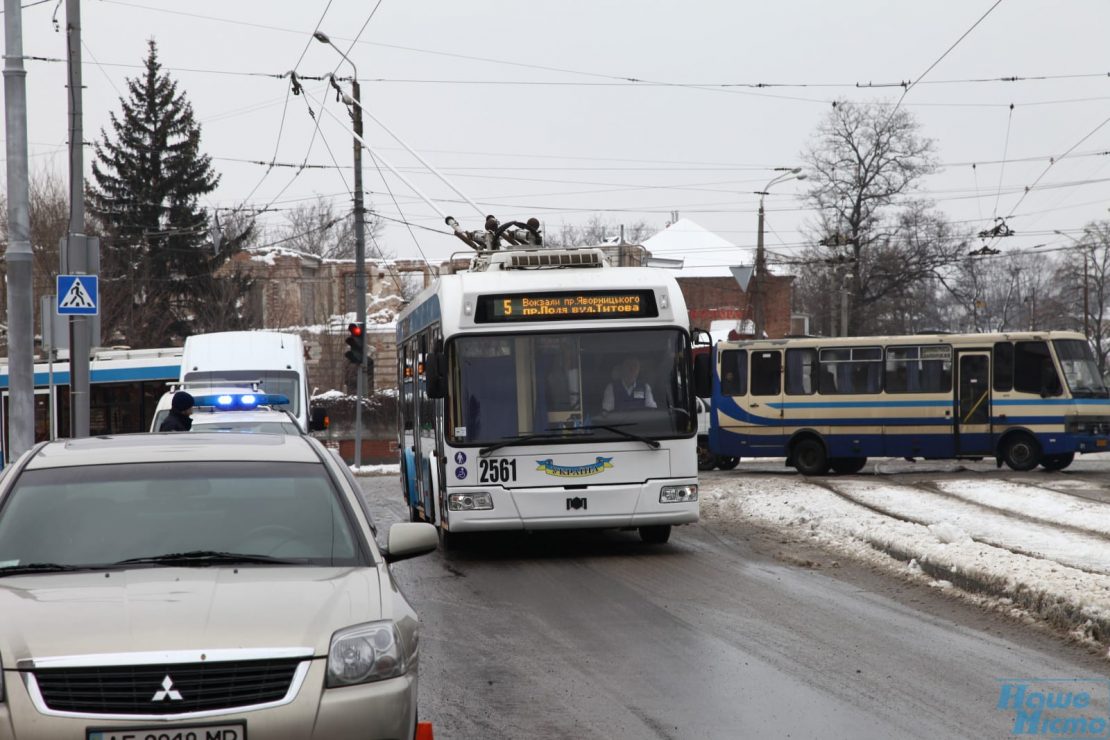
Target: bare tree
x=319, y=228
x=597, y=230
x=863, y=161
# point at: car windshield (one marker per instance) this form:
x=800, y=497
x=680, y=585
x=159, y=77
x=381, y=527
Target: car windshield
x=280, y=382
x=104, y=514
x=1080, y=368
x=510, y=386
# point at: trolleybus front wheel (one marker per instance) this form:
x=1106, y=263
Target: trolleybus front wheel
x=1057, y=462
x=1021, y=452
x=655, y=535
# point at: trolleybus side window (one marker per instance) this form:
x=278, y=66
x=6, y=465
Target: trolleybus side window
x=766, y=373
x=919, y=369
x=1034, y=371
x=1003, y=366
x=734, y=372
x=801, y=372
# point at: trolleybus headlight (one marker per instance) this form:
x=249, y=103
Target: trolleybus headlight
x=469, y=501
x=678, y=494
x=366, y=652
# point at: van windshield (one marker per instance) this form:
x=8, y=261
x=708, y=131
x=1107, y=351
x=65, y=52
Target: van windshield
x=283, y=382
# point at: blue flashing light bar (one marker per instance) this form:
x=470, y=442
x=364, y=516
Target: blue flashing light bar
x=242, y=402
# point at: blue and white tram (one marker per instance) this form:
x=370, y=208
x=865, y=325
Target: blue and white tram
x=543, y=389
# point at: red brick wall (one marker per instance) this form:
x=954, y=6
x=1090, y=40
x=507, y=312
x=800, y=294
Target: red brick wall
x=709, y=298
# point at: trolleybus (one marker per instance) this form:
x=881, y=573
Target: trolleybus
x=1024, y=398
x=545, y=389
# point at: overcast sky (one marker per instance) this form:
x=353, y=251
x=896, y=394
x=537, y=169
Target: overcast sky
x=527, y=106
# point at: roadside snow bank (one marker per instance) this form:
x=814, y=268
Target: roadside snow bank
x=944, y=548
x=393, y=469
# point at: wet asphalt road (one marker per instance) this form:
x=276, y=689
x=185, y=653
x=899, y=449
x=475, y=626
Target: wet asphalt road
x=714, y=635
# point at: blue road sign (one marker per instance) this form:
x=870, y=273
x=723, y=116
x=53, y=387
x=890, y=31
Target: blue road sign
x=78, y=295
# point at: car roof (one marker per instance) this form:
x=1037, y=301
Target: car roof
x=203, y=417
x=163, y=447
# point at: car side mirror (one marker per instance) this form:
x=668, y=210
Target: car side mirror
x=435, y=369
x=703, y=375
x=318, y=419
x=408, y=540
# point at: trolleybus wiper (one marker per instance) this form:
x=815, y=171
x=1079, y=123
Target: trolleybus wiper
x=616, y=429
x=547, y=434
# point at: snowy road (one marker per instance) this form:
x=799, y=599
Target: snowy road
x=1038, y=541
x=745, y=625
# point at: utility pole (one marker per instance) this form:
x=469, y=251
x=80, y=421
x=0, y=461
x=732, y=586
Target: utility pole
x=76, y=255
x=786, y=173
x=360, y=236
x=21, y=343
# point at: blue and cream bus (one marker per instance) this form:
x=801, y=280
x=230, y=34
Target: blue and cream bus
x=1024, y=398
x=546, y=389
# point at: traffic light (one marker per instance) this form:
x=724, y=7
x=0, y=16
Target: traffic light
x=356, y=336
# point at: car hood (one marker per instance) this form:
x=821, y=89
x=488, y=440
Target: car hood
x=159, y=609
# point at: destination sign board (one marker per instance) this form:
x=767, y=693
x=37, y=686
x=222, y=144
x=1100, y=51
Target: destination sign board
x=566, y=306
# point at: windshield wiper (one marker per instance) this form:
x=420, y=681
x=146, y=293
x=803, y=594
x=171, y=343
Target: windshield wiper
x=15, y=570
x=616, y=429
x=206, y=557
x=547, y=434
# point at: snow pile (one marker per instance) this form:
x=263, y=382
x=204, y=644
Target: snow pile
x=393, y=469
x=330, y=395
x=974, y=549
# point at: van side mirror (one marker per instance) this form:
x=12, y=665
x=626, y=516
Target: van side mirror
x=700, y=336
x=435, y=369
x=703, y=375
x=318, y=419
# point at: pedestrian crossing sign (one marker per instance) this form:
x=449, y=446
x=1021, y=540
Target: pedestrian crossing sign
x=78, y=295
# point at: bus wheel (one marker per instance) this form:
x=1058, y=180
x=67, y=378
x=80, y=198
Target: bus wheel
x=1021, y=452
x=656, y=535
x=706, y=459
x=1057, y=462
x=848, y=465
x=810, y=457
x=727, y=463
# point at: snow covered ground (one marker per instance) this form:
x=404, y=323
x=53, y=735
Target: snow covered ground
x=1038, y=545
x=393, y=469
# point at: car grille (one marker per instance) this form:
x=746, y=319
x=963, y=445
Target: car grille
x=133, y=689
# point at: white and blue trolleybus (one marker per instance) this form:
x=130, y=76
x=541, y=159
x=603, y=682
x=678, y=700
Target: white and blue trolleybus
x=544, y=389
x=828, y=404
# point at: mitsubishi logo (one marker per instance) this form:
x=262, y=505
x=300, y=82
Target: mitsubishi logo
x=168, y=691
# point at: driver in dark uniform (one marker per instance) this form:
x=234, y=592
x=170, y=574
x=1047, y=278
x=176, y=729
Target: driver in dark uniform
x=627, y=392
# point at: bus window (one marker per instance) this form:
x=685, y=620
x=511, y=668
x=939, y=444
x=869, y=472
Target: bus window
x=1034, y=371
x=766, y=373
x=853, y=370
x=919, y=369
x=734, y=372
x=801, y=371
x=1080, y=368
x=1003, y=366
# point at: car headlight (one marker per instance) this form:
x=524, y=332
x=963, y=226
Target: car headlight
x=469, y=501
x=364, y=653
x=678, y=494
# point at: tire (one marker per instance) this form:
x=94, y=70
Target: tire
x=656, y=535
x=1021, y=452
x=810, y=457
x=727, y=463
x=1052, y=463
x=706, y=459
x=847, y=465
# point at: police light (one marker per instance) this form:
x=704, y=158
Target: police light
x=355, y=341
x=241, y=402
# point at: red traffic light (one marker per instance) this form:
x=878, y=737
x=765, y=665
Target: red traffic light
x=355, y=330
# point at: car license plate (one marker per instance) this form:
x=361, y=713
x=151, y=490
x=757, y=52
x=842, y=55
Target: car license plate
x=237, y=731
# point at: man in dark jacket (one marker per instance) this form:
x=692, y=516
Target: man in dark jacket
x=178, y=419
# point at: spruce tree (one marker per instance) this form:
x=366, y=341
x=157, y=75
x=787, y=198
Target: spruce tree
x=158, y=264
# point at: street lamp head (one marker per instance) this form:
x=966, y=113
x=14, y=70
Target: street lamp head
x=800, y=177
x=796, y=170
x=321, y=37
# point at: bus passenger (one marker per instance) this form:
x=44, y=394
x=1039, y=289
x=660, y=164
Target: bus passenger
x=627, y=391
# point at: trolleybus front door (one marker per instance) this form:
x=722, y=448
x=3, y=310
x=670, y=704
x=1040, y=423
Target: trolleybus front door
x=973, y=404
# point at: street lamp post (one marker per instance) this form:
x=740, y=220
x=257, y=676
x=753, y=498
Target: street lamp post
x=787, y=173
x=360, y=239
x=1086, y=288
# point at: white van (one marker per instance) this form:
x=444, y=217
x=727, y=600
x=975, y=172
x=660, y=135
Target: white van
x=274, y=360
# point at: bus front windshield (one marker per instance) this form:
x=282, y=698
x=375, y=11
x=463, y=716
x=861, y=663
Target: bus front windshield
x=566, y=386
x=1080, y=368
